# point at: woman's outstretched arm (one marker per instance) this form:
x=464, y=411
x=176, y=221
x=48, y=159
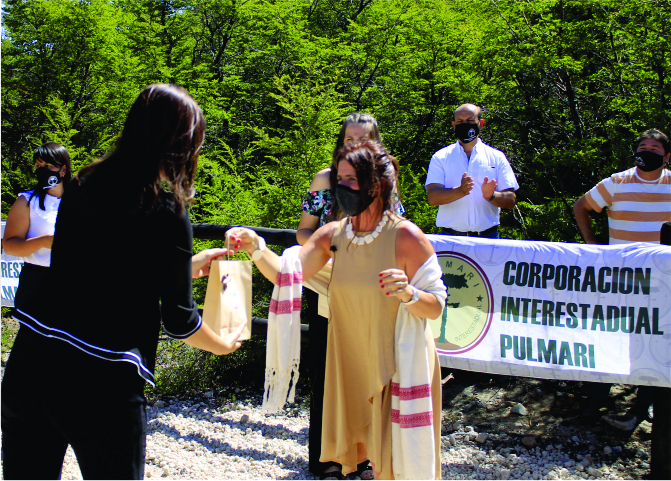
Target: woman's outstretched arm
x=313, y=255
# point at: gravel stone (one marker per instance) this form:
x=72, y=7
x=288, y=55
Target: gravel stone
x=201, y=439
x=529, y=441
x=519, y=409
x=594, y=472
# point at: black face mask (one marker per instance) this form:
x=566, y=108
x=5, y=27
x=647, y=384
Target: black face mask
x=352, y=202
x=47, y=179
x=467, y=133
x=648, y=161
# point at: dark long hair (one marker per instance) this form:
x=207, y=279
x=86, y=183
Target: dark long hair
x=56, y=155
x=157, y=150
x=374, y=166
x=353, y=118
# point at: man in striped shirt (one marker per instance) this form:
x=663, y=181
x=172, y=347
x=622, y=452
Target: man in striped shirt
x=639, y=202
x=638, y=199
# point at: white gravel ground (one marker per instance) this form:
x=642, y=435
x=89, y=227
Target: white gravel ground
x=201, y=439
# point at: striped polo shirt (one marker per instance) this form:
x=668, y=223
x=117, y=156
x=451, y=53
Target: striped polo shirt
x=637, y=208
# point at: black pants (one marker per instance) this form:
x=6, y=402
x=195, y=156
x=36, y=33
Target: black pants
x=54, y=395
x=29, y=279
x=598, y=392
x=317, y=371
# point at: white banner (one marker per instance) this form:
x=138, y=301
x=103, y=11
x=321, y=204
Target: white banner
x=10, y=268
x=556, y=311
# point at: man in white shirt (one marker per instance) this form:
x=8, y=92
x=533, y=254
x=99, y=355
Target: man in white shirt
x=470, y=180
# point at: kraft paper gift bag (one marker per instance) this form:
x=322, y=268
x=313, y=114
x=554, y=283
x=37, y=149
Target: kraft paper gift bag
x=228, y=299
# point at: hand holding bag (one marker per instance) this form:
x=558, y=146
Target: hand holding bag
x=228, y=299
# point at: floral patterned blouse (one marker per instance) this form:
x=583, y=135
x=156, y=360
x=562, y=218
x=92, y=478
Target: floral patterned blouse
x=319, y=204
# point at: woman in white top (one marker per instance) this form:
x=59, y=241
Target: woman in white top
x=31, y=221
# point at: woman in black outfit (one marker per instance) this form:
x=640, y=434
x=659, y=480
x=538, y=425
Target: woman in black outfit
x=89, y=333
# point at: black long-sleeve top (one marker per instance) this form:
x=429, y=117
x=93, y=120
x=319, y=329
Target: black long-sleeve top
x=110, y=268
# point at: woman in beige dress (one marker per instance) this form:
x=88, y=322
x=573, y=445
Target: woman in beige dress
x=375, y=253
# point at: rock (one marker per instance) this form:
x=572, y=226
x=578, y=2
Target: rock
x=209, y=394
x=564, y=473
x=641, y=454
x=617, y=449
x=166, y=471
x=244, y=419
x=607, y=450
x=453, y=439
x=529, y=442
x=620, y=422
x=159, y=404
x=481, y=438
x=594, y=472
x=575, y=439
x=505, y=474
x=472, y=435
x=519, y=409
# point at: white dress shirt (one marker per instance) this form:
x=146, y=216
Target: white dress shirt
x=471, y=213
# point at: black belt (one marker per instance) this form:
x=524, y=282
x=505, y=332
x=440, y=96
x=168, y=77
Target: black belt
x=491, y=230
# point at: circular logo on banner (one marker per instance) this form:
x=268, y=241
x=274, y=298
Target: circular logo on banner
x=467, y=314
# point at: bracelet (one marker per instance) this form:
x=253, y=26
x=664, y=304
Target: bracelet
x=493, y=196
x=414, y=298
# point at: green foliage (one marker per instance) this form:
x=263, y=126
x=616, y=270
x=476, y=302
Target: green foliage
x=10, y=328
x=566, y=86
x=181, y=368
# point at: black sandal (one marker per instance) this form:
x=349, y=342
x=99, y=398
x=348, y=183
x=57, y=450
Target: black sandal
x=365, y=467
x=335, y=474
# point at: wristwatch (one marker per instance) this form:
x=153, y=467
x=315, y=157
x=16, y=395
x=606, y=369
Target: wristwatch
x=258, y=253
x=492, y=197
x=414, y=298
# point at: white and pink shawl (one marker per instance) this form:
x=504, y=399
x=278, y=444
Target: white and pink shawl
x=412, y=429
x=283, y=345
